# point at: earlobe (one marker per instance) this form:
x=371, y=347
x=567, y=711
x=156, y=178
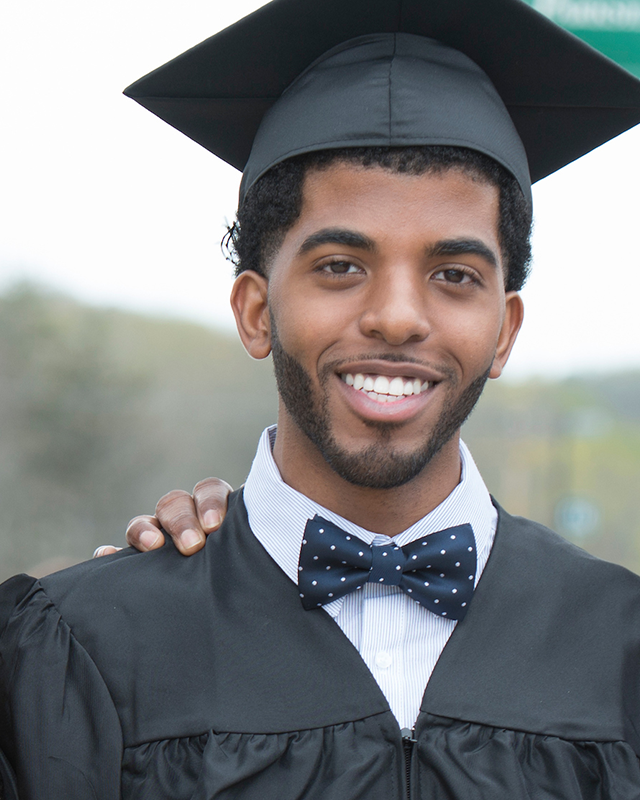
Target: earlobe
x=514, y=314
x=250, y=308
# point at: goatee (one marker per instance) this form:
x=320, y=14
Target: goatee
x=377, y=466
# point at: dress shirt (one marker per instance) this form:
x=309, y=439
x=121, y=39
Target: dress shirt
x=399, y=640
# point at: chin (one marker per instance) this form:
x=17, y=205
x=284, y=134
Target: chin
x=377, y=465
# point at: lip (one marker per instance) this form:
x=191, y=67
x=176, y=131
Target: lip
x=401, y=410
x=393, y=369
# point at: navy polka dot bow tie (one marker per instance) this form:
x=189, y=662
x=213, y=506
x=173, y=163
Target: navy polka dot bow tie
x=437, y=571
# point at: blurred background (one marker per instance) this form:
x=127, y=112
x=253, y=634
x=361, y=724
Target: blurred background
x=120, y=374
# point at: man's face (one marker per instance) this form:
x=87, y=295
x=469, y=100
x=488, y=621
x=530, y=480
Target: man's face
x=386, y=308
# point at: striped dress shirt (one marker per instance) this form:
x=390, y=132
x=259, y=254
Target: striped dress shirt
x=399, y=640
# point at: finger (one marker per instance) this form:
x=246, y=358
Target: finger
x=210, y=498
x=105, y=550
x=177, y=515
x=144, y=533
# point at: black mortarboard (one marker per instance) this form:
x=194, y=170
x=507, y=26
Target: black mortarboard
x=303, y=75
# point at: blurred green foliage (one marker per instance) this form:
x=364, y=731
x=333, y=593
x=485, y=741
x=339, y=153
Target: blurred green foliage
x=567, y=454
x=103, y=411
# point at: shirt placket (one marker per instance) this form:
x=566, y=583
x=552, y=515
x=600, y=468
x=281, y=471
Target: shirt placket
x=381, y=645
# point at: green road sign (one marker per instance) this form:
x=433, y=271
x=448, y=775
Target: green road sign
x=611, y=26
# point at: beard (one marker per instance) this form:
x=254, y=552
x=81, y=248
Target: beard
x=377, y=466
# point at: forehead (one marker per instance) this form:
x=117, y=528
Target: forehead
x=397, y=209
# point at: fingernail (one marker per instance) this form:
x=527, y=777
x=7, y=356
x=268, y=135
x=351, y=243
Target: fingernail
x=211, y=519
x=190, y=539
x=148, y=539
x=98, y=551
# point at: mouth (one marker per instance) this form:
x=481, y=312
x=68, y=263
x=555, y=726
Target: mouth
x=385, y=388
x=380, y=390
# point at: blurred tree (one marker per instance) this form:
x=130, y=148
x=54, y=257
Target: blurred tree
x=101, y=412
x=567, y=454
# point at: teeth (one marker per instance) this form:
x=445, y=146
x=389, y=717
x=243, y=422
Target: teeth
x=381, y=385
x=384, y=389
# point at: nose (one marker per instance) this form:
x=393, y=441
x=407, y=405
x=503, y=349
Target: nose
x=396, y=308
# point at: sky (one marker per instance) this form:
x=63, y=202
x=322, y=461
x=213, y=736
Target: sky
x=102, y=200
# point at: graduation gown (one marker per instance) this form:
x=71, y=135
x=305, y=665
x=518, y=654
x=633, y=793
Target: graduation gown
x=154, y=676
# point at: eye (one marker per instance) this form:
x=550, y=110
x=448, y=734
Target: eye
x=340, y=268
x=456, y=276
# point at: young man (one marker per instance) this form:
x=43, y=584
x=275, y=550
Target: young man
x=382, y=236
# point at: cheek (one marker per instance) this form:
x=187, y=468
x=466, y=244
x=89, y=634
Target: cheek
x=308, y=329
x=471, y=336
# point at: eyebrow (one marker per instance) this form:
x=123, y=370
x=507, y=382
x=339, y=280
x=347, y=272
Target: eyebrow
x=459, y=247
x=445, y=247
x=339, y=236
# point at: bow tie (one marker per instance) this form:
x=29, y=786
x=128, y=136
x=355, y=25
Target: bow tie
x=437, y=571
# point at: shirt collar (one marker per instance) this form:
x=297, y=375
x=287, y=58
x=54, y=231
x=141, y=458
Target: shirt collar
x=278, y=513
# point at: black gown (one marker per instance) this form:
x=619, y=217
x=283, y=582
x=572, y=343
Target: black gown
x=153, y=676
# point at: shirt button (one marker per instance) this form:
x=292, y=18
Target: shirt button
x=383, y=660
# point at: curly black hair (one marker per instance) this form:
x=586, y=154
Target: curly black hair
x=273, y=204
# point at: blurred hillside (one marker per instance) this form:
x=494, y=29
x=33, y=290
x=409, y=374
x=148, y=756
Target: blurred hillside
x=102, y=412
x=566, y=454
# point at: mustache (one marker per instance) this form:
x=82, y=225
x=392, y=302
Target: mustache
x=393, y=358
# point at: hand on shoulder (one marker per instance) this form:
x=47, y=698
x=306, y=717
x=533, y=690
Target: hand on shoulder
x=187, y=518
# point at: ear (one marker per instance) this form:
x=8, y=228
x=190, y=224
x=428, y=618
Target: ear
x=251, y=310
x=514, y=314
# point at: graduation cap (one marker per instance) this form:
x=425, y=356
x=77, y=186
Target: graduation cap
x=303, y=75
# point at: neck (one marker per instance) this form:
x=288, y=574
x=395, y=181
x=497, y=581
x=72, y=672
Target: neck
x=386, y=511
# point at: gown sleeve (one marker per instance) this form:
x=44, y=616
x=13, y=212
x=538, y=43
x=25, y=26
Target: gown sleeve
x=59, y=728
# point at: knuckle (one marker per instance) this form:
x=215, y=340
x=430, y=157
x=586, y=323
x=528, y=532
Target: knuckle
x=139, y=524
x=177, y=498
x=175, y=510
x=134, y=522
x=214, y=489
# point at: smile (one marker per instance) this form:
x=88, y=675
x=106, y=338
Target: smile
x=385, y=389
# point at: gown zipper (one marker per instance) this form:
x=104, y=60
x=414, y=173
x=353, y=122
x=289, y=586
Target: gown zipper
x=408, y=742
